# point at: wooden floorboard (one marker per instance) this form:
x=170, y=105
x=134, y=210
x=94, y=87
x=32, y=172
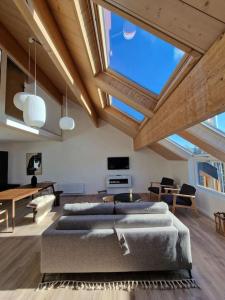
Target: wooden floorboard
x=20, y=262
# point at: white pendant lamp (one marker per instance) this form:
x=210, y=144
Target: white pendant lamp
x=66, y=123
x=34, y=108
x=34, y=113
x=19, y=99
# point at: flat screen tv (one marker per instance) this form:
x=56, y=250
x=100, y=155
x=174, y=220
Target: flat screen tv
x=118, y=163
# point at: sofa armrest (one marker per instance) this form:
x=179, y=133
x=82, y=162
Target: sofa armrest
x=184, y=242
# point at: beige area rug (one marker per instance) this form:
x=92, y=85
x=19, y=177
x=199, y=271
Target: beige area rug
x=119, y=281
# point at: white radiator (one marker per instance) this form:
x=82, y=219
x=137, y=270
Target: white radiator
x=71, y=188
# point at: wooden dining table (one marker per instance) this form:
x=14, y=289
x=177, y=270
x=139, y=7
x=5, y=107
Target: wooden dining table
x=14, y=195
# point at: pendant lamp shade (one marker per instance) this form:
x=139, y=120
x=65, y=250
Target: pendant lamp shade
x=66, y=123
x=19, y=99
x=34, y=111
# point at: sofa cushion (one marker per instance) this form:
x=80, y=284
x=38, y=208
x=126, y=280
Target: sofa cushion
x=143, y=220
x=88, y=209
x=87, y=222
x=141, y=208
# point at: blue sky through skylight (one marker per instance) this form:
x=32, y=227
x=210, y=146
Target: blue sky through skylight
x=130, y=111
x=137, y=54
x=217, y=122
x=185, y=144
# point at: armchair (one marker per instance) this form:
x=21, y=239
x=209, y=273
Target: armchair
x=184, y=198
x=158, y=188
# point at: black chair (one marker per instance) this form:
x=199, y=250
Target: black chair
x=185, y=198
x=158, y=188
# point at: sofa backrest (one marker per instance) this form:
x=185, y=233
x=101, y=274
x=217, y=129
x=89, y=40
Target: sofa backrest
x=141, y=208
x=88, y=209
x=118, y=208
x=88, y=222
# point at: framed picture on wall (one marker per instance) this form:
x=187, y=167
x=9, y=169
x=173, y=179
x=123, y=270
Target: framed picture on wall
x=34, y=163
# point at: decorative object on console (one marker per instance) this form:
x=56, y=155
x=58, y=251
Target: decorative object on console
x=66, y=123
x=34, y=181
x=34, y=163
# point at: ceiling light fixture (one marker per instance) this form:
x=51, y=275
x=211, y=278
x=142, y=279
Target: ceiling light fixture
x=66, y=123
x=33, y=106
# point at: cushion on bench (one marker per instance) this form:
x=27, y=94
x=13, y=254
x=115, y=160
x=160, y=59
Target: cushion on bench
x=41, y=201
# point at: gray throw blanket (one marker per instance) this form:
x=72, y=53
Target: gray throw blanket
x=165, y=238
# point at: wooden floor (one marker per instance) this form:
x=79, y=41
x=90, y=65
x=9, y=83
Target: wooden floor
x=20, y=260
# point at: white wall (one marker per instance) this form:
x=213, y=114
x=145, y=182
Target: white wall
x=82, y=157
x=209, y=201
x=179, y=171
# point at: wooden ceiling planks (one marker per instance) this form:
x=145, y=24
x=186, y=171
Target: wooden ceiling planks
x=213, y=8
x=20, y=57
x=67, y=20
x=39, y=17
x=13, y=21
x=177, y=19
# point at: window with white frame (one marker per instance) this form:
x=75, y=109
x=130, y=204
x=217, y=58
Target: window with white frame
x=211, y=174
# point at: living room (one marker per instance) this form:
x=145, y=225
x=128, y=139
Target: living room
x=111, y=175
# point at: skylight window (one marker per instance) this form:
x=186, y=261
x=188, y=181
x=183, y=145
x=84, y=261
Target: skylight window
x=217, y=122
x=126, y=109
x=185, y=144
x=137, y=54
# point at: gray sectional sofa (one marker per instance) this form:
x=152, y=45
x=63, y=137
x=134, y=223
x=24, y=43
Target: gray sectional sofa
x=122, y=237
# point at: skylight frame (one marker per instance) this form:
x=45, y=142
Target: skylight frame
x=109, y=104
x=186, y=149
x=99, y=23
x=213, y=128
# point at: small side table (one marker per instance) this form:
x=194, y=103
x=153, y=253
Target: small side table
x=127, y=197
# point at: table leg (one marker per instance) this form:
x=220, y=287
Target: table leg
x=13, y=215
x=53, y=189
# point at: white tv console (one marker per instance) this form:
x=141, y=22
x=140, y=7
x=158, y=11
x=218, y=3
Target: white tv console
x=118, y=181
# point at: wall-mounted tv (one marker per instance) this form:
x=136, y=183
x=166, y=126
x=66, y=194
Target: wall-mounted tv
x=118, y=163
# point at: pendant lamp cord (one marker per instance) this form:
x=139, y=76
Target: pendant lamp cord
x=66, y=102
x=35, y=69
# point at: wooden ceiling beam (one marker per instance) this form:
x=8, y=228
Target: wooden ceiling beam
x=112, y=117
x=176, y=22
x=39, y=18
x=165, y=152
x=198, y=97
x=206, y=139
x=134, y=97
x=21, y=57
